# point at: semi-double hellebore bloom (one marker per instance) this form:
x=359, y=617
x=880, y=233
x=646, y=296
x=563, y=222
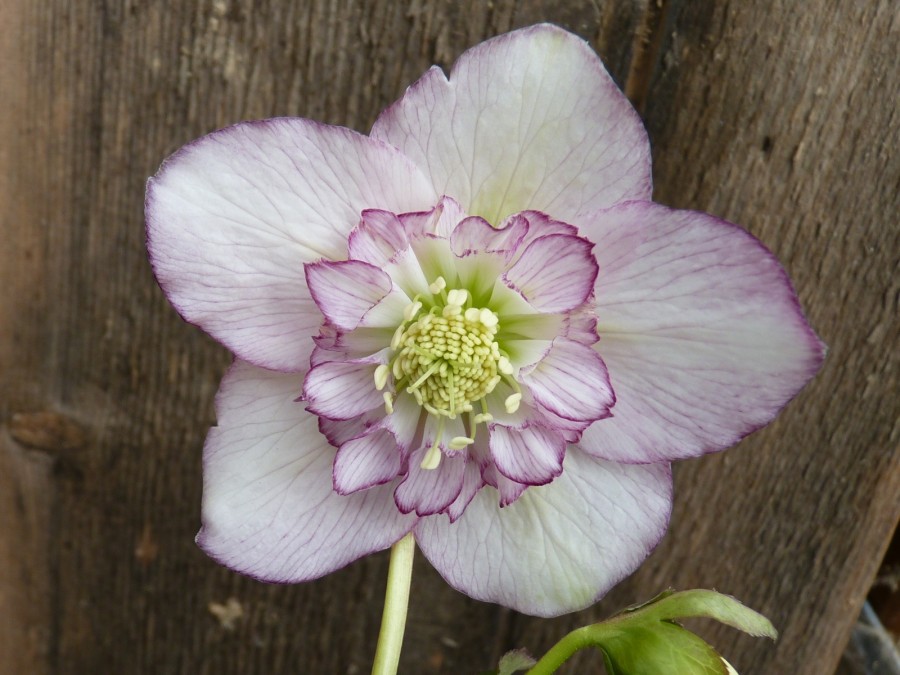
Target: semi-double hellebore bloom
x=472, y=324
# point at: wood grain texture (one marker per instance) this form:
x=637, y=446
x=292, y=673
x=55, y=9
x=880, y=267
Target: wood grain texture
x=776, y=115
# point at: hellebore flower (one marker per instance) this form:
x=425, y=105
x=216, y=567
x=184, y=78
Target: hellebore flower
x=472, y=324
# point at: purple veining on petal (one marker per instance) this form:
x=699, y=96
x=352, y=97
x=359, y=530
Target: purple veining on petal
x=701, y=331
x=472, y=483
x=476, y=235
x=430, y=491
x=571, y=381
x=377, y=238
x=345, y=291
x=580, y=145
x=233, y=216
x=341, y=390
x=555, y=273
x=369, y=459
x=592, y=527
x=269, y=510
x=532, y=454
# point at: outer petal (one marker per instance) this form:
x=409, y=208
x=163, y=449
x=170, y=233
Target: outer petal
x=558, y=547
x=269, y=509
x=528, y=120
x=232, y=217
x=700, y=329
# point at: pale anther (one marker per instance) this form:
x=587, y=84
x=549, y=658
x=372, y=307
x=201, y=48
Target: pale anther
x=460, y=442
x=388, y=403
x=512, y=403
x=483, y=417
x=488, y=318
x=432, y=458
x=438, y=285
x=457, y=296
x=504, y=366
x=381, y=376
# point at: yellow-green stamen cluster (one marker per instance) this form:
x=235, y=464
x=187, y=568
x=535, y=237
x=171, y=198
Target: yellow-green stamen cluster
x=447, y=357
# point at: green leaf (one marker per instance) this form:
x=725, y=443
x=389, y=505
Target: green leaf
x=704, y=603
x=660, y=649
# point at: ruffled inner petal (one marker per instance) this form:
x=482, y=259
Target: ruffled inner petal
x=476, y=235
x=348, y=290
x=365, y=461
x=377, y=238
x=571, y=381
x=532, y=454
x=555, y=273
x=341, y=390
x=430, y=491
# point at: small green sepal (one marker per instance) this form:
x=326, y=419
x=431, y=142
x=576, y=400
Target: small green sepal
x=513, y=662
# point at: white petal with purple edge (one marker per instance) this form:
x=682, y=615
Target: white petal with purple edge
x=555, y=273
x=700, y=329
x=508, y=489
x=527, y=120
x=376, y=239
x=559, y=547
x=345, y=291
x=341, y=390
x=571, y=381
x=269, y=509
x=404, y=421
x=476, y=235
x=531, y=455
x=430, y=491
x=472, y=482
x=365, y=461
x=233, y=216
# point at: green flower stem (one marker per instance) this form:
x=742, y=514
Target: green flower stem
x=564, y=649
x=396, y=600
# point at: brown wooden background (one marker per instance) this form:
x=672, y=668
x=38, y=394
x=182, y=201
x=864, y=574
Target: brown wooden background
x=776, y=114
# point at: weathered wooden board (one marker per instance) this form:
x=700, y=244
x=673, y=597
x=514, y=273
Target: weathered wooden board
x=777, y=115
